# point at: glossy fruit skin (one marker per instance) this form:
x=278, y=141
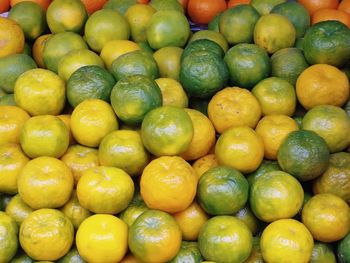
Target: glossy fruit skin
x=202, y=44
x=168, y=61
x=46, y=234
x=202, y=12
x=247, y=217
x=173, y=93
x=102, y=238
x=314, y=5
x=210, y=35
x=322, y=253
x=154, y=237
x=222, y=191
x=343, y=250
x=304, y=154
x=9, y=237
x=225, y=239
x=17, y=209
x=13, y=37
x=71, y=257
x=265, y=167
x=189, y=251
x=264, y=7
x=331, y=14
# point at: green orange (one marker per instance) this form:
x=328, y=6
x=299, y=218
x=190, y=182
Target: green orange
x=188, y=251
x=9, y=237
x=322, y=253
x=17, y=209
x=168, y=61
x=204, y=45
x=210, y=35
x=160, y=5
x=265, y=167
x=264, y=7
x=343, y=251
x=246, y=215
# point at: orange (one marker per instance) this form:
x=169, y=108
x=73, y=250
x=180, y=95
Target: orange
x=66, y=16
x=204, y=163
x=154, y=237
x=37, y=85
x=225, y=239
x=44, y=3
x=222, y=191
x=91, y=120
x=12, y=119
x=344, y=6
x=233, y=3
x=168, y=61
x=322, y=84
x=66, y=119
x=232, y=107
x=331, y=14
x=45, y=182
x=203, y=11
x=17, y=209
x=167, y=130
x=80, y=158
x=246, y=215
x=130, y=258
x=173, y=93
x=323, y=252
x=132, y=212
x=327, y=216
x=44, y=135
x=241, y=148
x=273, y=129
x=274, y=32
x=38, y=49
x=4, y=6
x=284, y=203
x=286, y=240
x=11, y=37
x=313, y=5
x=102, y=238
x=265, y=167
x=103, y=26
x=214, y=36
x=184, y=3
x=191, y=221
x=92, y=5
x=203, y=136
x=72, y=255
x=46, y=234
x=9, y=237
x=105, y=190
x=12, y=160
x=173, y=5
x=188, y=251
x=264, y=7
x=169, y=184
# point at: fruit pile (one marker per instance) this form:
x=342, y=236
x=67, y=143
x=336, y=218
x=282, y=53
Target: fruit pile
x=175, y=131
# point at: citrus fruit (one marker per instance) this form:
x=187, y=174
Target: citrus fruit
x=200, y=105
x=343, y=249
x=286, y=240
x=331, y=123
x=240, y=148
x=105, y=190
x=12, y=160
x=66, y=16
x=105, y=25
x=274, y=32
x=255, y=255
x=232, y=107
x=167, y=130
x=172, y=5
x=8, y=100
x=273, y=129
x=203, y=11
x=11, y=67
x=75, y=60
x=327, y=217
x=59, y=45
x=222, y=191
x=144, y=46
x=203, y=73
x=89, y=82
x=264, y=7
x=17, y=209
x=203, y=136
x=284, y=203
x=133, y=97
x=336, y=179
x=45, y=182
x=288, y=64
x=173, y=93
x=21, y=258
x=188, y=251
x=214, y=24
x=168, y=61
x=296, y=13
x=276, y=96
x=80, y=158
x=46, y=234
x=71, y=256
x=204, y=163
x=44, y=135
x=92, y=6
x=167, y=28
x=43, y=3
x=11, y=37
x=322, y=252
x=225, y=239
x=246, y=215
x=132, y=212
x=314, y=5
x=123, y=149
x=233, y=3
x=9, y=237
x=12, y=119
x=91, y=120
x=265, y=167
x=331, y=14
x=74, y=211
x=191, y=221
x=154, y=237
x=38, y=49
x=4, y=6
x=102, y=238
x=134, y=63
x=168, y=183
x=237, y=24
x=204, y=45
x=121, y=6
x=248, y=64
x=138, y=16
x=130, y=258
x=304, y=154
x=327, y=42
x=31, y=18
x=322, y=84
x=344, y=6
x=210, y=35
